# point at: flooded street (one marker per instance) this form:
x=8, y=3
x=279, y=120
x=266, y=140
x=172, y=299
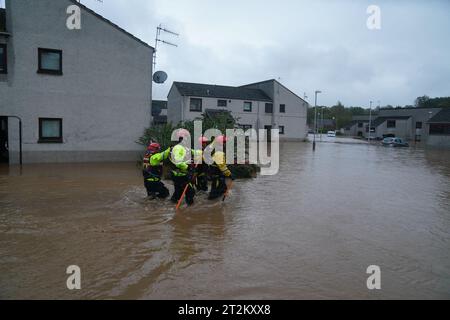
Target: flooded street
x=309, y=232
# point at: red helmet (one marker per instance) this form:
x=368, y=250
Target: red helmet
x=153, y=147
x=182, y=133
x=221, y=139
x=203, y=140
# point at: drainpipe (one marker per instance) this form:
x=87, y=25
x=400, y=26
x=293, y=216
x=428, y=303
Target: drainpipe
x=20, y=137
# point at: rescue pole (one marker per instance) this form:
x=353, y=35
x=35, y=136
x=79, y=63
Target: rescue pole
x=226, y=192
x=185, y=189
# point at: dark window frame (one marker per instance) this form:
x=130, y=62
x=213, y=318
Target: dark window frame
x=50, y=71
x=391, y=124
x=52, y=139
x=222, y=100
x=282, y=129
x=190, y=104
x=5, y=58
x=251, y=106
x=246, y=127
x=282, y=108
x=269, y=108
x=360, y=124
x=419, y=124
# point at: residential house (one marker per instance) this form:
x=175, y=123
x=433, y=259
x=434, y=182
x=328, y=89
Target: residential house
x=439, y=129
x=82, y=94
x=159, y=111
x=262, y=105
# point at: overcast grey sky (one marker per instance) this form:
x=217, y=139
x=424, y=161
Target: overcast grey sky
x=308, y=45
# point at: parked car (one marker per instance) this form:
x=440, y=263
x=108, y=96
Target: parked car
x=394, y=142
x=331, y=134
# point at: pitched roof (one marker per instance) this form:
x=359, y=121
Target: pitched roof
x=442, y=116
x=225, y=92
x=274, y=80
x=111, y=23
x=380, y=120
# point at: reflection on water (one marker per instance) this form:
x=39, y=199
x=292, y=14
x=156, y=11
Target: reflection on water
x=309, y=232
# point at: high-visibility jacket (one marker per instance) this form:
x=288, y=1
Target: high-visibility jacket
x=219, y=165
x=179, y=160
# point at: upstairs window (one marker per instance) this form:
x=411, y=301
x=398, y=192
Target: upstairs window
x=247, y=106
x=418, y=125
x=391, y=123
x=360, y=124
x=50, y=130
x=3, y=62
x=221, y=103
x=195, y=105
x=282, y=108
x=50, y=61
x=269, y=107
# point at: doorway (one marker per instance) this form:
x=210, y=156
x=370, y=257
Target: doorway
x=4, y=152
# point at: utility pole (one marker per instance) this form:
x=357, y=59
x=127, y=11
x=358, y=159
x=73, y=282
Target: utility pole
x=315, y=118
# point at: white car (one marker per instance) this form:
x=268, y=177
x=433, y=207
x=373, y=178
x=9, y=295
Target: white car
x=331, y=134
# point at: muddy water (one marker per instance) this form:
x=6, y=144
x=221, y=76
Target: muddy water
x=309, y=232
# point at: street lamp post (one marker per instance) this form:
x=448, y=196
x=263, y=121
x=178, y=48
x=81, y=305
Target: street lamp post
x=370, y=121
x=315, y=118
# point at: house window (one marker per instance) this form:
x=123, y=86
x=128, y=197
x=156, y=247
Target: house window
x=246, y=127
x=360, y=124
x=391, y=123
x=195, y=105
x=247, y=106
x=269, y=107
x=50, y=61
x=50, y=130
x=282, y=108
x=281, y=128
x=418, y=125
x=221, y=103
x=440, y=128
x=3, y=62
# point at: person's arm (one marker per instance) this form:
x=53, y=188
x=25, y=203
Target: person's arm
x=219, y=159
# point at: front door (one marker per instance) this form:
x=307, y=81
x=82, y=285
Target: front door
x=4, y=153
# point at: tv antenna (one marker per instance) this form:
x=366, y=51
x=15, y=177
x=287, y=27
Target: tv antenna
x=160, y=29
x=79, y=1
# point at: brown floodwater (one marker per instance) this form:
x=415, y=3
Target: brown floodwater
x=309, y=232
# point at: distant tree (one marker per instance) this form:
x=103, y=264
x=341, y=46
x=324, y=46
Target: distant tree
x=421, y=101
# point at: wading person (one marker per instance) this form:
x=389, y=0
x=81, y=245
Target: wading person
x=152, y=171
x=218, y=170
x=201, y=181
x=182, y=170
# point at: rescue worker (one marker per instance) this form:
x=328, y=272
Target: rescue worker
x=218, y=170
x=152, y=172
x=182, y=170
x=201, y=182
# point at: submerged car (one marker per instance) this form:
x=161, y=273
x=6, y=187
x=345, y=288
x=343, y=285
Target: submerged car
x=394, y=142
x=331, y=133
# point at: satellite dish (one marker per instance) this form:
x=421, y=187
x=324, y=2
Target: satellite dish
x=160, y=77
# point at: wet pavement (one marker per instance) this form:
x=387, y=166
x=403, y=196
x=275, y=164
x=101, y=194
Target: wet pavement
x=309, y=232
